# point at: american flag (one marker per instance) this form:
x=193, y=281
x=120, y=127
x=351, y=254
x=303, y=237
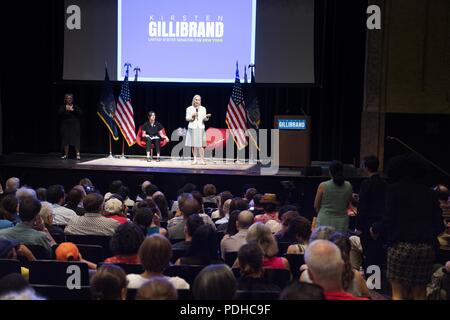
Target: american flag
x=236, y=118
x=124, y=115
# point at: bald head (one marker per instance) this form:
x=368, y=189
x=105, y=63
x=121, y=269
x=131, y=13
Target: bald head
x=189, y=207
x=245, y=219
x=325, y=264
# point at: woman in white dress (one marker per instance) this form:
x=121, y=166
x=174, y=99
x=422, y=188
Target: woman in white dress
x=196, y=137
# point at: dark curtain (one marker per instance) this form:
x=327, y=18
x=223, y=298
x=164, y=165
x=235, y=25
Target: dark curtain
x=32, y=87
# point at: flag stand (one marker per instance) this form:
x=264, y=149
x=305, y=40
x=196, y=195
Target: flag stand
x=123, y=150
x=110, y=148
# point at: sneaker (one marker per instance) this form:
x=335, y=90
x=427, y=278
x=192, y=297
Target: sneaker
x=202, y=162
x=78, y=157
x=157, y=159
x=194, y=162
x=64, y=157
x=149, y=159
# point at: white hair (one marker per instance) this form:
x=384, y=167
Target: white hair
x=24, y=193
x=47, y=212
x=324, y=260
x=197, y=95
x=26, y=294
x=12, y=183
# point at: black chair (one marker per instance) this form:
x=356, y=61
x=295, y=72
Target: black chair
x=92, y=253
x=282, y=248
x=61, y=226
x=256, y=295
x=127, y=267
x=230, y=258
x=39, y=252
x=49, y=272
x=295, y=262
x=177, y=253
x=8, y=266
x=236, y=272
x=184, y=294
x=59, y=238
x=102, y=241
x=280, y=277
x=185, y=272
x=173, y=241
x=52, y=292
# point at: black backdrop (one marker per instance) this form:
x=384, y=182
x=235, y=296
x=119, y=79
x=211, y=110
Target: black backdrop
x=32, y=89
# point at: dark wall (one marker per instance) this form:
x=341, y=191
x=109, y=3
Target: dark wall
x=32, y=86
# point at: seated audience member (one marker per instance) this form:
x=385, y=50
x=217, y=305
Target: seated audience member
x=125, y=244
x=230, y=228
x=286, y=213
x=150, y=190
x=233, y=242
x=186, y=189
x=12, y=283
x=41, y=194
x=325, y=268
x=209, y=195
x=161, y=202
x=31, y=229
x=262, y=235
x=269, y=203
x=155, y=223
x=282, y=235
x=188, y=207
x=214, y=282
x=236, y=204
x=24, y=193
x=302, y=291
x=115, y=209
x=157, y=288
x=109, y=283
x=257, y=208
x=5, y=223
x=154, y=254
x=249, y=194
x=57, y=197
x=68, y=251
x=11, y=186
x=192, y=223
x=47, y=213
x=199, y=197
x=124, y=192
x=300, y=228
x=11, y=249
x=87, y=185
x=178, y=215
x=225, y=211
x=251, y=257
x=10, y=208
x=113, y=188
x=143, y=217
x=74, y=201
x=203, y=249
x=142, y=195
x=220, y=213
x=92, y=223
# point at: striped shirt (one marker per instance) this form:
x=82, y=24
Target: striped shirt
x=91, y=224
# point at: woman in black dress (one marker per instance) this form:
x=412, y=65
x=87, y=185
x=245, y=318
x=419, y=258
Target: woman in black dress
x=70, y=125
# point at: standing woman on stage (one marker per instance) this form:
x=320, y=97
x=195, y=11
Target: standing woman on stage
x=196, y=137
x=70, y=125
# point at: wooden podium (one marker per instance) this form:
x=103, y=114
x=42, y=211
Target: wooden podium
x=295, y=140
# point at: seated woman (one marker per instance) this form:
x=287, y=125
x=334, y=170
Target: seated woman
x=203, y=249
x=262, y=235
x=154, y=254
x=109, y=283
x=152, y=132
x=147, y=215
x=157, y=288
x=214, y=282
x=300, y=228
x=251, y=257
x=125, y=244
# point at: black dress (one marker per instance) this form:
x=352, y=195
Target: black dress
x=70, y=126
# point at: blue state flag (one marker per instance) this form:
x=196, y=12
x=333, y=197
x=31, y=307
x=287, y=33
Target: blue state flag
x=107, y=107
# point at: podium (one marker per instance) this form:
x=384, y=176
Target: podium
x=295, y=142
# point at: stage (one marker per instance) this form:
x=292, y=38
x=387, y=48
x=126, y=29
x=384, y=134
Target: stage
x=42, y=170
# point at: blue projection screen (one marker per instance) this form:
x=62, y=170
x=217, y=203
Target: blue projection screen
x=186, y=41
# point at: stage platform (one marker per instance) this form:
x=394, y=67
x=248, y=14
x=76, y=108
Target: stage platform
x=42, y=170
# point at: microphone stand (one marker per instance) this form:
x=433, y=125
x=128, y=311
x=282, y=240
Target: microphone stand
x=421, y=156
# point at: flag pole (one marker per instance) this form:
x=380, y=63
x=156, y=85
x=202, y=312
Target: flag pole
x=123, y=149
x=110, y=147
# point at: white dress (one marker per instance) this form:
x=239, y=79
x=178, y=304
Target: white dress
x=196, y=136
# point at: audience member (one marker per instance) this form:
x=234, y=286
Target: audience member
x=302, y=291
x=157, y=288
x=214, y=282
x=10, y=208
x=74, y=200
x=109, y=283
x=232, y=243
x=223, y=197
x=41, y=194
x=269, y=203
x=125, y=244
x=56, y=196
x=300, y=228
x=192, y=223
x=47, y=213
x=115, y=209
x=68, y=251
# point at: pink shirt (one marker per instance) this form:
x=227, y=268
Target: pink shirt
x=274, y=262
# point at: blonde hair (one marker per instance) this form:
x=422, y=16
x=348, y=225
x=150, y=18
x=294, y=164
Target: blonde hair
x=262, y=235
x=47, y=213
x=197, y=95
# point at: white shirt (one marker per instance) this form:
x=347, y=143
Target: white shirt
x=62, y=215
x=198, y=122
x=135, y=281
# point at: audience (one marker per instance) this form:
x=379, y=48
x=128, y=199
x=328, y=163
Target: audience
x=223, y=197
x=302, y=291
x=74, y=200
x=11, y=249
x=325, y=268
x=214, y=282
x=24, y=193
x=47, y=213
x=92, y=223
x=282, y=235
x=154, y=254
x=300, y=228
x=192, y=224
x=41, y=194
x=188, y=207
x=57, y=197
x=232, y=243
x=10, y=208
x=11, y=185
x=161, y=202
x=257, y=208
x=269, y=203
x=333, y=198
x=209, y=196
x=157, y=288
x=115, y=209
x=262, y=235
x=109, y=283
x=68, y=251
x=125, y=244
